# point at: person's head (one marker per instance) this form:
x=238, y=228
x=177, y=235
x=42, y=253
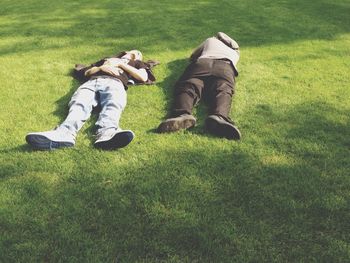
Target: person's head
x=227, y=41
x=133, y=55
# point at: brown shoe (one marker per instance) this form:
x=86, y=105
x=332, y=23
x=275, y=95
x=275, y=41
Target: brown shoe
x=184, y=121
x=218, y=126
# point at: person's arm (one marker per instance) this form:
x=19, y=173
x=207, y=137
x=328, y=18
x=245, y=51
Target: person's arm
x=197, y=52
x=82, y=72
x=91, y=71
x=139, y=74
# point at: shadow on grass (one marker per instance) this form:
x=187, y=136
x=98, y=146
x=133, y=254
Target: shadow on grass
x=21, y=148
x=62, y=103
x=175, y=68
x=144, y=23
x=203, y=204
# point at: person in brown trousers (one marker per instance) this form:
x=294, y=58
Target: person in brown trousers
x=211, y=73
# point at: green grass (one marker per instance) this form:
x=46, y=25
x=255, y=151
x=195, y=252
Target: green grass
x=281, y=194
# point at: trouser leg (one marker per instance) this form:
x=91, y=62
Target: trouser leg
x=187, y=94
x=221, y=97
x=113, y=99
x=80, y=107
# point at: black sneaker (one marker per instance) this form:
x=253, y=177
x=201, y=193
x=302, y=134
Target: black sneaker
x=113, y=139
x=218, y=126
x=184, y=121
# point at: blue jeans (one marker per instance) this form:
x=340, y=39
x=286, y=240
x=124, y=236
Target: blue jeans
x=108, y=92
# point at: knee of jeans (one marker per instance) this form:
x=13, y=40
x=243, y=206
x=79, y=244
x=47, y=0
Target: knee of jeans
x=119, y=105
x=83, y=96
x=117, y=101
x=85, y=104
x=84, y=107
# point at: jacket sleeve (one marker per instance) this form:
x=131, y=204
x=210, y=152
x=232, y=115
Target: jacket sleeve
x=148, y=65
x=80, y=69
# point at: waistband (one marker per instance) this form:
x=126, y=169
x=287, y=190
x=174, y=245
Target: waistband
x=225, y=60
x=104, y=77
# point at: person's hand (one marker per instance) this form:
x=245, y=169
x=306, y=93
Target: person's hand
x=114, y=62
x=112, y=70
x=92, y=71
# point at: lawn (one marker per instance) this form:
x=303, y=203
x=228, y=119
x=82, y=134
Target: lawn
x=281, y=194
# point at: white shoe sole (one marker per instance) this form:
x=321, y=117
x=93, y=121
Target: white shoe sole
x=41, y=142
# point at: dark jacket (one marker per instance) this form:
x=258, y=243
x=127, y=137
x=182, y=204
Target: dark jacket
x=80, y=69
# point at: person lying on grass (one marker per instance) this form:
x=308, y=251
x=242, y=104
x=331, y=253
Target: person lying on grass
x=211, y=73
x=105, y=84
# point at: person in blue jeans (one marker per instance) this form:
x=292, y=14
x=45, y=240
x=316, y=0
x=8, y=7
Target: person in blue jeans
x=105, y=85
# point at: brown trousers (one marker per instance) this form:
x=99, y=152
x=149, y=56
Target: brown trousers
x=212, y=78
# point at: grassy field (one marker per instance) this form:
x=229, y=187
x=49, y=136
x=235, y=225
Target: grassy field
x=281, y=194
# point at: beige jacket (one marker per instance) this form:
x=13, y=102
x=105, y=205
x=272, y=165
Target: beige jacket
x=216, y=49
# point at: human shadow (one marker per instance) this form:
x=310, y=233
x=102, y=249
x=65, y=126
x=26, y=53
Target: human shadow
x=175, y=69
x=61, y=110
x=20, y=148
